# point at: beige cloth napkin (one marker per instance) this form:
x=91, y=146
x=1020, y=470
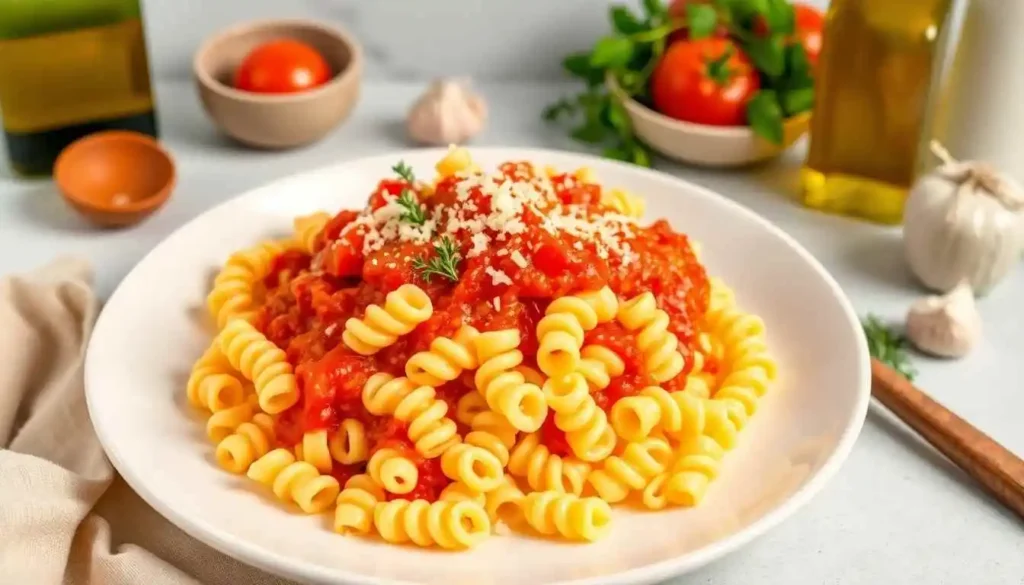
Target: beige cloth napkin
x=66, y=518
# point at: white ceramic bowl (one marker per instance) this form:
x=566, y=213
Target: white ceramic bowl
x=704, y=145
x=151, y=331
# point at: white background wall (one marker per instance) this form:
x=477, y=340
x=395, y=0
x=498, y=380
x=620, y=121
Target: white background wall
x=404, y=39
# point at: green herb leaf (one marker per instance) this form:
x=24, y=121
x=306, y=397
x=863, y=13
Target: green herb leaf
x=768, y=54
x=765, y=115
x=624, y=21
x=617, y=153
x=590, y=132
x=611, y=52
x=888, y=347
x=616, y=117
x=562, y=107
x=414, y=212
x=655, y=10
x=403, y=170
x=795, y=101
x=640, y=155
x=744, y=11
x=701, y=19
x=578, y=65
x=780, y=16
x=445, y=264
x=798, y=67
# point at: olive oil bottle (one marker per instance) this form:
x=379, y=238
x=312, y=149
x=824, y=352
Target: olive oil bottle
x=877, y=81
x=69, y=68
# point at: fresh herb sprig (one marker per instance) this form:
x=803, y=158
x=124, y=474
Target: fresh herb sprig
x=636, y=45
x=888, y=346
x=445, y=263
x=414, y=212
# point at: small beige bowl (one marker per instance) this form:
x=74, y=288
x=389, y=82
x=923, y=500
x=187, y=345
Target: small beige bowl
x=277, y=120
x=703, y=145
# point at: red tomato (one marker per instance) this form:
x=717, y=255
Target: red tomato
x=706, y=81
x=282, y=66
x=809, y=24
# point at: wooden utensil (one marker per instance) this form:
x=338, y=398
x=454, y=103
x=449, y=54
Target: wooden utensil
x=998, y=470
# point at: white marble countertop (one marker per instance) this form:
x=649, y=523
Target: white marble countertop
x=896, y=513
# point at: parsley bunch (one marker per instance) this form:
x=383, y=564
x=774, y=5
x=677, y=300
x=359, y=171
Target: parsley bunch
x=888, y=346
x=636, y=45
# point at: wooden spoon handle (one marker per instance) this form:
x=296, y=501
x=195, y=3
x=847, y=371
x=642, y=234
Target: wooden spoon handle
x=998, y=470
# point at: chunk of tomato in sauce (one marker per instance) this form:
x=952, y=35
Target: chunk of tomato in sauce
x=286, y=266
x=554, y=438
x=332, y=387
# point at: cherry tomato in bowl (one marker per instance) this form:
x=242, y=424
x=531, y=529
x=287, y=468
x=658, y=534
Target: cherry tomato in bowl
x=705, y=81
x=282, y=66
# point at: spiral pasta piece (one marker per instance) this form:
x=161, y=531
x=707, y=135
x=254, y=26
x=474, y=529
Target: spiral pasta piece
x=634, y=417
x=447, y=524
x=686, y=482
x=567, y=515
x=631, y=471
x=545, y=471
x=349, y=445
x=308, y=227
x=250, y=441
x=681, y=415
x=476, y=467
x=404, y=309
x=599, y=364
x=502, y=503
x=505, y=389
x=586, y=426
x=469, y=406
x=259, y=360
x=212, y=384
x=295, y=481
x=460, y=492
x=446, y=359
x=491, y=443
x=353, y=513
x=393, y=471
x=313, y=449
x=623, y=202
x=561, y=331
x=497, y=426
x=659, y=346
x=223, y=423
x=234, y=288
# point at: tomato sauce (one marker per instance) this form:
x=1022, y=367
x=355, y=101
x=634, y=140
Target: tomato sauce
x=309, y=299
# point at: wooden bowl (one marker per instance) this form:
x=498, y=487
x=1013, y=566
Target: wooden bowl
x=277, y=120
x=701, y=144
x=115, y=178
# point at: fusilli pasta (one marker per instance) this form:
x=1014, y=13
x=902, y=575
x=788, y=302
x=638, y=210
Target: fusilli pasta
x=295, y=481
x=404, y=309
x=450, y=525
x=262, y=362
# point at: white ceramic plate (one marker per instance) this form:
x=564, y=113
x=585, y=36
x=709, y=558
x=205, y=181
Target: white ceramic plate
x=152, y=330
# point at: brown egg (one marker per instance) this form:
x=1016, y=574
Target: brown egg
x=115, y=178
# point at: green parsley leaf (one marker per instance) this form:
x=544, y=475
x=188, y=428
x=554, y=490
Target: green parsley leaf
x=414, y=212
x=405, y=171
x=798, y=67
x=768, y=54
x=640, y=155
x=655, y=10
x=612, y=52
x=888, y=346
x=765, y=115
x=780, y=16
x=624, y=21
x=796, y=101
x=445, y=264
x=701, y=19
x=555, y=111
x=578, y=65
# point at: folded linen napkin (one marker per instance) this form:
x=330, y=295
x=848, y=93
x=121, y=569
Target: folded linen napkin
x=66, y=518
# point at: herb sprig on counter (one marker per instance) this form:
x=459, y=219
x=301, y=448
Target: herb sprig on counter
x=888, y=346
x=444, y=264
x=638, y=42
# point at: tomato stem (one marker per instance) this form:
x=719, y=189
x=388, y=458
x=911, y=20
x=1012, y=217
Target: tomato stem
x=718, y=68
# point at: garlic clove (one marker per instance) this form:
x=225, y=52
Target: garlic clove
x=947, y=325
x=446, y=113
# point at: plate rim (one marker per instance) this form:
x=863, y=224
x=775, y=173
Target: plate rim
x=292, y=568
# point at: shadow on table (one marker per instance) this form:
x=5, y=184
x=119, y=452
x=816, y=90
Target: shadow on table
x=42, y=206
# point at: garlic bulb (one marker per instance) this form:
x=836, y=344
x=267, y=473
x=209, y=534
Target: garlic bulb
x=447, y=113
x=963, y=220
x=947, y=326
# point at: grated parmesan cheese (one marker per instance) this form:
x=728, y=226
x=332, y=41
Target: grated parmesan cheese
x=497, y=303
x=498, y=277
x=518, y=259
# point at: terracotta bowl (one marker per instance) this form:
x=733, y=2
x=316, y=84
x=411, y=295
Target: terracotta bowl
x=277, y=120
x=703, y=145
x=115, y=178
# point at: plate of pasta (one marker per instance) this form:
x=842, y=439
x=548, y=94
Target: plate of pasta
x=504, y=366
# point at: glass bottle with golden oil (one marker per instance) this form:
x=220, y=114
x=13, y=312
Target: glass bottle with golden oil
x=877, y=81
x=69, y=68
